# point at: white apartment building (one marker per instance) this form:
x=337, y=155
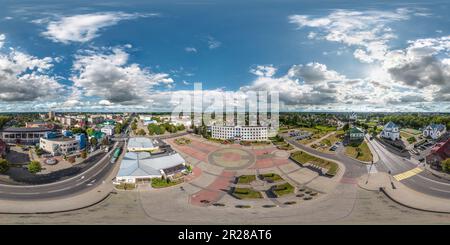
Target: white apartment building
x=248, y=133
x=65, y=120
x=108, y=130
x=60, y=146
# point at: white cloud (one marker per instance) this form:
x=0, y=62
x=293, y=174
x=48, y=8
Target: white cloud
x=2, y=40
x=26, y=78
x=83, y=27
x=213, y=43
x=190, y=50
x=264, y=71
x=367, y=30
x=106, y=74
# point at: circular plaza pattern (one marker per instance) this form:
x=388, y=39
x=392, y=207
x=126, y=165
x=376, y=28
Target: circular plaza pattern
x=232, y=158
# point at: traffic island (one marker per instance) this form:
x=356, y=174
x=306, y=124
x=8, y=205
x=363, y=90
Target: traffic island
x=271, y=177
x=282, y=189
x=245, y=179
x=315, y=163
x=246, y=193
x=158, y=183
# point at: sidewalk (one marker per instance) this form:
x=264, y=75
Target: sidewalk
x=437, y=173
x=402, y=194
x=375, y=156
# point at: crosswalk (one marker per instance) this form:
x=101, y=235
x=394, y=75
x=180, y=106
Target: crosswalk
x=408, y=174
x=371, y=169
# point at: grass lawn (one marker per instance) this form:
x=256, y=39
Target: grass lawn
x=405, y=135
x=364, y=152
x=272, y=177
x=283, y=189
x=285, y=147
x=325, y=128
x=246, y=193
x=246, y=179
x=302, y=157
x=411, y=131
x=162, y=183
x=331, y=140
x=182, y=141
x=125, y=186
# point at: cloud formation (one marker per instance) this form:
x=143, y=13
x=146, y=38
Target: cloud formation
x=83, y=27
x=106, y=74
x=26, y=78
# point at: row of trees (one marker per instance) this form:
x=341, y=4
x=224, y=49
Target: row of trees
x=162, y=128
x=417, y=120
x=33, y=166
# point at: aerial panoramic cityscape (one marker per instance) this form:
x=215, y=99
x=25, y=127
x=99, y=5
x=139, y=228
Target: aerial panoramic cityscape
x=224, y=112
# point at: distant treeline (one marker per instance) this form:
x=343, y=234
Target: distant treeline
x=417, y=121
x=3, y=120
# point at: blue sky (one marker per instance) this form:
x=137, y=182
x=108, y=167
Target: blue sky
x=319, y=55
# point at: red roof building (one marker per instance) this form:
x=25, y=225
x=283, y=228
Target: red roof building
x=439, y=152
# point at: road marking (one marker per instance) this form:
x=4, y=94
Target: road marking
x=371, y=169
x=437, y=189
x=408, y=174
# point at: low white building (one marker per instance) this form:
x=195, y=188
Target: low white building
x=108, y=130
x=60, y=146
x=434, y=130
x=247, y=133
x=141, y=144
x=390, y=131
x=137, y=166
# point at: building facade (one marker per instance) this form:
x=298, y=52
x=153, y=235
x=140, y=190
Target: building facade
x=438, y=153
x=355, y=134
x=108, y=130
x=247, y=133
x=434, y=131
x=24, y=135
x=390, y=131
x=60, y=146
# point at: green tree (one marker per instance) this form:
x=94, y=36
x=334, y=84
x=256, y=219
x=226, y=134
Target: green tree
x=141, y=132
x=78, y=130
x=93, y=141
x=446, y=165
x=134, y=126
x=83, y=154
x=4, y=165
x=346, y=127
x=34, y=167
x=90, y=131
x=118, y=128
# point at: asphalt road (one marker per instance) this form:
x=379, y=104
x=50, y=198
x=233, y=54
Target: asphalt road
x=80, y=183
x=423, y=182
x=75, y=185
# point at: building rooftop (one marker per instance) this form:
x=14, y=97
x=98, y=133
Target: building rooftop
x=355, y=130
x=60, y=139
x=20, y=130
x=390, y=125
x=143, y=164
x=140, y=142
x=438, y=127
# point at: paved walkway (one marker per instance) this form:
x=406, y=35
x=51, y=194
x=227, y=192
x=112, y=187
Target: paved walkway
x=402, y=194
